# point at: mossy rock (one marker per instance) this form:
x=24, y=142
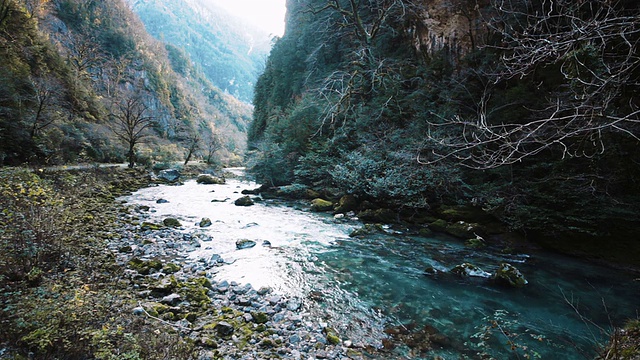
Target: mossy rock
x=259, y=317
x=145, y=267
x=476, y=243
x=320, y=205
x=368, y=229
x=205, y=222
x=170, y=268
x=463, y=229
x=509, y=275
x=469, y=270
x=194, y=292
x=207, y=179
x=150, y=226
x=332, y=336
x=439, y=225
x=385, y=216
x=347, y=203
x=171, y=222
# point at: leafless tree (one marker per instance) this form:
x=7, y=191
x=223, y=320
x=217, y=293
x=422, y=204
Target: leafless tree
x=130, y=123
x=193, y=144
x=596, y=47
x=46, y=109
x=213, y=143
x=362, y=22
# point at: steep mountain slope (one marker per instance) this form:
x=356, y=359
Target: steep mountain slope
x=418, y=106
x=231, y=54
x=72, y=67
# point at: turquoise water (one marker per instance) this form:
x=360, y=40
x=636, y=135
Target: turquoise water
x=374, y=287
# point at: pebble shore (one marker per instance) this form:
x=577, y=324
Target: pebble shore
x=226, y=319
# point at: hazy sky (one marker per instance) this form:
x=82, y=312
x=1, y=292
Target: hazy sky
x=265, y=14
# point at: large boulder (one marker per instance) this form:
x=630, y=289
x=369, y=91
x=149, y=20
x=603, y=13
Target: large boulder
x=208, y=179
x=347, y=203
x=509, y=275
x=244, y=201
x=169, y=175
x=320, y=205
x=171, y=222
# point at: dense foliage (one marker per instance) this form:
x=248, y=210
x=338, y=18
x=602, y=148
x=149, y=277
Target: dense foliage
x=383, y=100
x=68, y=66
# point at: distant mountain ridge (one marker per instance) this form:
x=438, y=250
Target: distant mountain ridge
x=230, y=53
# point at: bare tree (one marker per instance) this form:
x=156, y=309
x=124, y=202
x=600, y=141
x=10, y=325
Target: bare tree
x=130, y=122
x=213, y=143
x=46, y=103
x=363, y=21
x=193, y=144
x=596, y=47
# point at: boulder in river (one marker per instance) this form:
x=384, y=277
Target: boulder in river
x=205, y=222
x=245, y=244
x=169, y=175
x=171, y=222
x=208, y=179
x=347, y=203
x=244, y=201
x=469, y=270
x=509, y=275
x=320, y=205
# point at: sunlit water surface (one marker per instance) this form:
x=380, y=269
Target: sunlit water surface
x=361, y=286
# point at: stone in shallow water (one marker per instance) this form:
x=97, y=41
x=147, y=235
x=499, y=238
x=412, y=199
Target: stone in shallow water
x=245, y=244
x=509, y=275
x=205, y=222
x=169, y=175
x=468, y=269
x=171, y=222
x=244, y=201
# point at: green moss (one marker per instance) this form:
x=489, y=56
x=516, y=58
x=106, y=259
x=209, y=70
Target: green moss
x=332, y=336
x=259, y=317
x=319, y=205
x=144, y=267
x=150, y=226
x=170, y=268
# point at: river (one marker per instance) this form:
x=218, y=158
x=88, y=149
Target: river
x=370, y=288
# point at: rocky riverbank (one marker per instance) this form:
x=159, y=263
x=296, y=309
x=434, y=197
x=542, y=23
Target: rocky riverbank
x=224, y=319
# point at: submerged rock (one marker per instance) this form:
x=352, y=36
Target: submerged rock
x=367, y=229
x=509, y=275
x=245, y=244
x=469, y=270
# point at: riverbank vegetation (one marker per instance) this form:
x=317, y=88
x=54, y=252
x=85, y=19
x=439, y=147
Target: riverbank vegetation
x=523, y=111
x=68, y=70
x=63, y=294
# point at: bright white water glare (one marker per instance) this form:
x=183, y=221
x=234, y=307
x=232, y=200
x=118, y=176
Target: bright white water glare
x=267, y=15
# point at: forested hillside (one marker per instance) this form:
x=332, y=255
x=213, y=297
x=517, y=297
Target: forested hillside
x=230, y=53
x=83, y=81
x=527, y=110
